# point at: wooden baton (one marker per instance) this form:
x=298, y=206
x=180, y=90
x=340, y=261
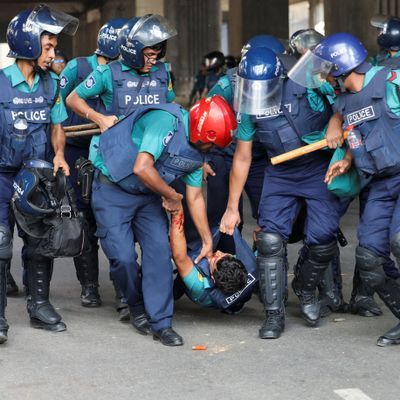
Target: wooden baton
x=301, y=151
x=87, y=132
x=83, y=127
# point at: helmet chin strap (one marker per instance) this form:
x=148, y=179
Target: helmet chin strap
x=339, y=84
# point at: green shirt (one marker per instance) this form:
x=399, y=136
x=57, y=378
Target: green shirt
x=69, y=75
x=58, y=113
x=392, y=87
x=246, y=129
x=101, y=83
x=196, y=284
x=223, y=88
x=148, y=135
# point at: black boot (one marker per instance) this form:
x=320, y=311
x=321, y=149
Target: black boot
x=271, y=268
x=12, y=288
x=87, y=271
x=362, y=298
x=316, y=261
x=120, y=304
x=3, y=301
x=390, y=294
x=330, y=293
x=42, y=313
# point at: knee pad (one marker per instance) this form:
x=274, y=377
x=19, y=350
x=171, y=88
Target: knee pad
x=395, y=245
x=370, y=267
x=269, y=244
x=5, y=243
x=322, y=253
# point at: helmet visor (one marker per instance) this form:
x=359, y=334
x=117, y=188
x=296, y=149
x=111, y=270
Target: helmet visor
x=152, y=29
x=306, y=40
x=47, y=19
x=380, y=21
x=310, y=71
x=255, y=97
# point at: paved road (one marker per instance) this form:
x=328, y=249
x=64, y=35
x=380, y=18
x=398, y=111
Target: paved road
x=101, y=358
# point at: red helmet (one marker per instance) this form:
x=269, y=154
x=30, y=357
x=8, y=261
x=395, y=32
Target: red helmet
x=212, y=121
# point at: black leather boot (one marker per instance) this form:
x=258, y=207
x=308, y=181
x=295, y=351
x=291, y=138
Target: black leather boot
x=362, y=298
x=3, y=301
x=315, y=263
x=42, y=313
x=271, y=268
x=120, y=304
x=330, y=293
x=12, y=288
x=87, y=271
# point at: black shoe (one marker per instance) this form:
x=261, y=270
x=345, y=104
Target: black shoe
x=44, y=316
x=90, y=295
x=57, y=327
x=168, y=337
x=3, y=330
x=391, y=337
x=141, y=323
x=273, y=326
x=310, y=307
x=124, y=314
x=364, y=306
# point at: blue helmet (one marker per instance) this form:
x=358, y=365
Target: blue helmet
x=259, y=81
x=152, y=30
x=31, y=189
x=269, y=41
x=344, y=51
x=107, y=38
x=389, y=32
x=25, y=29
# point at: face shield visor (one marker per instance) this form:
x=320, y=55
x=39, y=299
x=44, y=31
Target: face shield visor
x=256, y=97
x=380, y=22
x=152, y=29
x=310, y=71
x=43, y=18
x=306, y=40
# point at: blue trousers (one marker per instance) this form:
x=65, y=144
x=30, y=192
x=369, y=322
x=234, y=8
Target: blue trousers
x=6, y=192
x=121, y=217
x=380, y=219
x=281, y=200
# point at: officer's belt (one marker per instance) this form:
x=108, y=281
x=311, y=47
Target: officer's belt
x=103, y=179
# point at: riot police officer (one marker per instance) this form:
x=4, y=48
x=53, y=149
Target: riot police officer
x=87, y=264
x=279, y=112
x=32, y=112
x=153, y=143
x=388, y=40
x=214, y=62
x=369, y=103
x=137, y=78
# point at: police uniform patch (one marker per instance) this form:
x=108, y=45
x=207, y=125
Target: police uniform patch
x=167, y=138
x=170, y=85
x=200, y=277
x=63, y=82
x=58, y=101
x=90, y=82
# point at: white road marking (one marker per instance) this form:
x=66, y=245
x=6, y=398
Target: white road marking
x=352, y=394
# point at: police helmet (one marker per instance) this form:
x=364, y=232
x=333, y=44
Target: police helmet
x=230, y=61
x=259, y=81
x=214, y=60
x=107, y=38
x=337, y=55
x=152, y=30
x=34, y=189
x=389, y=32
x=303, y=40
x=212, y=121
x=269, y=41
x=25, y=29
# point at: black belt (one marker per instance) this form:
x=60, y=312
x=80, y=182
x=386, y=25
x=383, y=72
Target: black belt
x=103, y=179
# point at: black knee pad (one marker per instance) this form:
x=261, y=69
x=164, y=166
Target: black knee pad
x=5, y=243
x=370, y=267
x=322, y=253
x=269, y=244
x=395, y=245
